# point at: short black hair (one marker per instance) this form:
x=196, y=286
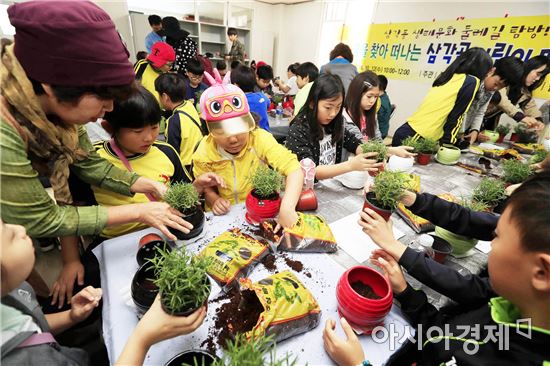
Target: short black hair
x=172, y=85
x=231, y=32
x=292, y=67
x=141, y=55
x=194, y=66
x=244, y=77
x=154, y=19
x=265, y=72
x=382, y=82
x=139, y=110
x=308, y=69
x=509, y=69
x=221, y=65
x=343, y=50
x=235, y=64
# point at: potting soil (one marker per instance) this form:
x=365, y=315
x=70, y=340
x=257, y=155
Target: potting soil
x=233, y=255
x=311, y=233
x=364, y=290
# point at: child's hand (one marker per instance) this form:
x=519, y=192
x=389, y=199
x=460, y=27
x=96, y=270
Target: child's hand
x=221, y=206
x=83, y=303
x=360, y=162
x=402, y=151
x=156, y=325
x=63, y=286
x=391, y=269
x=380, y=232
x=287, y=218
x=208, y=180
x=344, y=352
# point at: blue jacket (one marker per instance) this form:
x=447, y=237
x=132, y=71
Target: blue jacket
x=258, y=104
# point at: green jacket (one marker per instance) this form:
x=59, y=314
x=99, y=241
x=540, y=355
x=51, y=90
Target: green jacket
x=24, y=201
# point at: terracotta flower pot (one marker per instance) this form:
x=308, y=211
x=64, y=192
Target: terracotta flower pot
x=370, y=202
x=259, y=209
x=514, y=137
x=441, y=249
x=423, y=159
x=196, y=219
x=363, y=313
x=144, y=289
x=500, y=138
x=149, y=238
x=192, y=357
x=149, y=250
x=307, y=201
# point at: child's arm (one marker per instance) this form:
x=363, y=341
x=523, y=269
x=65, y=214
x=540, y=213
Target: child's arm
x=360, y=162
x=82, y=305
x=220, y=206
x=293, y=188
x=463, y=101
x=156, y=326
x=72, y=271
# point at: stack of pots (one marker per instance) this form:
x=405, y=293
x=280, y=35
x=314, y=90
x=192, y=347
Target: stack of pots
x=363, y=313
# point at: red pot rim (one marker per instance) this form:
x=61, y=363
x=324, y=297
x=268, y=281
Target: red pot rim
x=372, y=272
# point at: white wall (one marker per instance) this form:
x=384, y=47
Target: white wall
x=407, y=95
x=118, y=11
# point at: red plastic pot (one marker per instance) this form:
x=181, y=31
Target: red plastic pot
x=514, y=137
x=259, y=209
x=361, y=312
x=307, y=201
x=423, y=159
x=370, y=202
x=500, y=138
x=149, y=238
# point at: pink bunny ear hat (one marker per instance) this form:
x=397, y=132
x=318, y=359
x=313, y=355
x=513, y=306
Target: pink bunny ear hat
x=224, y=107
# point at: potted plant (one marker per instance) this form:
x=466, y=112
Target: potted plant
x=364, y=298
x=461, y=244
x=194, y=357
x=515, y=171
x=263, y=202
x=243, y=351
x=425, y=148
x=386, y=192
x=182, y=281
x=490, y=192
x=379, y=148
x=185, y=198
x=502, y=132
x=539, y=156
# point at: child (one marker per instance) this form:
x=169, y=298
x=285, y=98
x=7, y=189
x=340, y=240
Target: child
x=440, y=115
x=264, y=75
x=244, y=78
x=183, y=128
x=360, y=111
x=193, y=84
x=27, y=333
x=237, y=48
x=235, y=148
x=306, y=74
x=134, y=125
x=319, y=132
x=521, y=314
x=385, y=111
x=159, y=61
x=506, y=71
x=222, y=68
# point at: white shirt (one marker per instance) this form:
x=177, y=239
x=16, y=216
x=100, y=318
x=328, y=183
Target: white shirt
x=327, y=151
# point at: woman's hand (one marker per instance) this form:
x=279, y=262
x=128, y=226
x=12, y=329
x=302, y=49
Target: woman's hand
x=343, y=352
x=160, y=215
x=380, y=232
x=208, y=180
x=361, y=162
x=221, y=206
x=63, y=286
x=83, y=303
x=156, y=325
x=402, y=151
x=391, y=269
x=146, y=185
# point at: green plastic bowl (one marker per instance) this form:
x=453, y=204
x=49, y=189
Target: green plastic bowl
x=448, y=154
x=460, y=244
x=492, y=135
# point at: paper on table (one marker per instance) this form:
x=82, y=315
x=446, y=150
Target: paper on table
x=489, y=146
x=353, y=240
x=484, y=246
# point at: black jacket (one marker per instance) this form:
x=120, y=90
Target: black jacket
x=301, y=142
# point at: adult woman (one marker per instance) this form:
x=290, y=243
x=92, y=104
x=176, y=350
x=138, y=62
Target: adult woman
x=340, y=64
x=185, y=47
x=52, y=85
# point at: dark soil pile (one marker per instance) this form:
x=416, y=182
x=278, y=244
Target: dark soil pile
x=364, y=290
x=269, y=262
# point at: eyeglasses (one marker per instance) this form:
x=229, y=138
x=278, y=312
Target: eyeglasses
x=194, y=77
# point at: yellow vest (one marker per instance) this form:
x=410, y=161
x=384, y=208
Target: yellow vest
x=183, y=132
x=146, y=75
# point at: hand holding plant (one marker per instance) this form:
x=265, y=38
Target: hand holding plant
x=380, y=231
x=361, y=162
x=402, y=151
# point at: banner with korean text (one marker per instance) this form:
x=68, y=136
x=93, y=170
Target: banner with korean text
x=422, y=50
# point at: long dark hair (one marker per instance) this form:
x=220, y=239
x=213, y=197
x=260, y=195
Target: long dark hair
x=514, y=93
x=475, y=61
x=360, y=84
x=327, y=86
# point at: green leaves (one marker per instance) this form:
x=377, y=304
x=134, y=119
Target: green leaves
x=252, y=352
x=539, y=156
x=376, y=146
x=503, y=129
x=266, y=181
x=489, y=191
x=182, y=196
x=388, y=188
x=181, y=279
x=515, y=171
x=421, y=145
